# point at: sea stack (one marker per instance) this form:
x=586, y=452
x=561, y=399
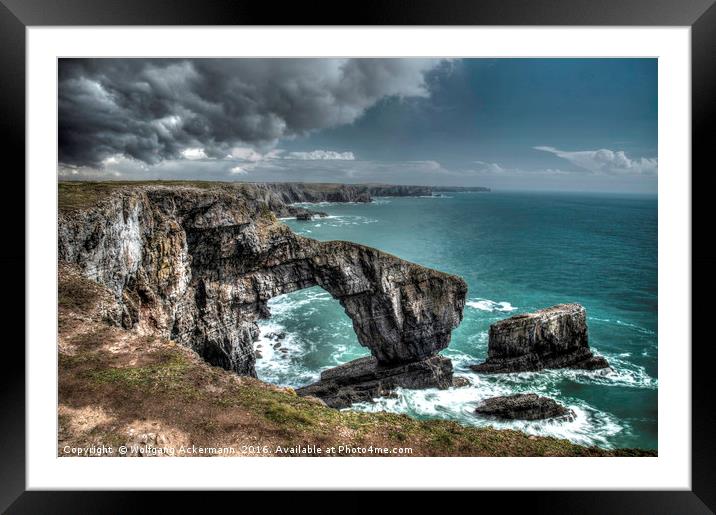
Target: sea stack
x=554, y=337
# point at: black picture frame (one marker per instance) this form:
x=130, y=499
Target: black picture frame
x=700, y=15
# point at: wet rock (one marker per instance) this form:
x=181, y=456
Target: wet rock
x=529, y=406
x=278, y=336
x=304, y=216
x=555, y=337
x=365, y=378
x=460, y=381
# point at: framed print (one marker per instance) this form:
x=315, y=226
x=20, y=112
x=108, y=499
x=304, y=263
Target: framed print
x=444, y=248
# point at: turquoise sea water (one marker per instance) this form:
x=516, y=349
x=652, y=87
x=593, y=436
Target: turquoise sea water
x=518, y=252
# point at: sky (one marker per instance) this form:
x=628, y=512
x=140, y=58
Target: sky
x=508, y=124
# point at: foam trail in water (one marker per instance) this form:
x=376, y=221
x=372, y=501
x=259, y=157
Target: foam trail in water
x=332, y=221
x=490, y=305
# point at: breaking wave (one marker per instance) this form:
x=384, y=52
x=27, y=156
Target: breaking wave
x=490, y=305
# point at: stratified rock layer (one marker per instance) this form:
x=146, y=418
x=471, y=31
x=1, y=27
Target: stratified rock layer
x=523, y=406
x=555, y=337
x=200, y=264
x=364, y=379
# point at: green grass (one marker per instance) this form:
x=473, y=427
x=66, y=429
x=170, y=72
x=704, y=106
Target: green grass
x=74, y=195
x=76, y=293
x=156, y=379
x=175, y=379
x=168, y=374
x=286, y=414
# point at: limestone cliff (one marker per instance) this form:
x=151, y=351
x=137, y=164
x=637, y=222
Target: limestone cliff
x=198, y=264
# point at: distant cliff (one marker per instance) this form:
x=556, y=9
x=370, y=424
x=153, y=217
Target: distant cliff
x=290, y=193
x=458, y=189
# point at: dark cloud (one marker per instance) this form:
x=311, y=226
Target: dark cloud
x=153, y=109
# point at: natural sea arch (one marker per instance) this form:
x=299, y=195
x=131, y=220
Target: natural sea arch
x=402, y=312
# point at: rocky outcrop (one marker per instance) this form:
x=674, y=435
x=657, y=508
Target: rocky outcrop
x=460, y=382
x=200, y=264
x=364, y=379
x=523, y=406
x=555, y=337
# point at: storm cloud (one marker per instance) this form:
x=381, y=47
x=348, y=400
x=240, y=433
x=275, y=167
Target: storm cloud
x=153, y=110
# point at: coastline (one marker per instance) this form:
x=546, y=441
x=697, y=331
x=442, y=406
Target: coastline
x=118, y=388
x=291, y=414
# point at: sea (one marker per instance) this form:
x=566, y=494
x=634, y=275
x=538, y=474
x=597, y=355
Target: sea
x=518, y=252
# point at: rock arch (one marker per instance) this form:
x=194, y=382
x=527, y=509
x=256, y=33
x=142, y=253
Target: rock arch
x=200, y=264
x=401, y=312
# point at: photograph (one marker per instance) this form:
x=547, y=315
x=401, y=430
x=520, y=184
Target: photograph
x=357, y=257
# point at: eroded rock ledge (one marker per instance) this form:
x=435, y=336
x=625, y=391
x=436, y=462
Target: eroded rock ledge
x=363, y=379
x=199, y=264
x=554, y=337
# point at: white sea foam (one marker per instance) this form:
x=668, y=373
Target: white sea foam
x=589, y=427
x=280, y=365
x=333, y=221
x=275, y=364
x=490, y=305
x=634, y=327
x=621, y=373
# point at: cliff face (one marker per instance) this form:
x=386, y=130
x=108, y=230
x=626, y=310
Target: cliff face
x=199, y=265
x=288, y=193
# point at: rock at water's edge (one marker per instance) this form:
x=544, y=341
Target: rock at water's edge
x=555, y=337
x=364, y=379
x=460, y=382
x=523, y=406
